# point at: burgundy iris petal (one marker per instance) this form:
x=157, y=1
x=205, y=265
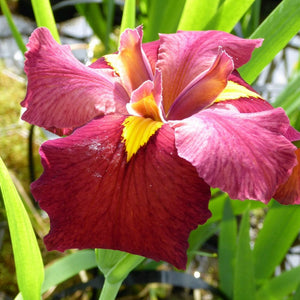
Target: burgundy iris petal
x=147, y=207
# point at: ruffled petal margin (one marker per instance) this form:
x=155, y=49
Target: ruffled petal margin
x=62, y=92
x=245, y=155
x=95, y=199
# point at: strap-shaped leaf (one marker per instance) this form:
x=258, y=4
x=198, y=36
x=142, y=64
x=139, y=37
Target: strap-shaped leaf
x=277, y=30
x=227, y=249
x=128, y=18
x=44, y=16
x=68, y=266
x=196, y=14
x=279, y=231
x=27, y=256
x=296, y=296
x=16, y=34
x=244, y=284
x=229, y=13
x=280, y=286
x=289, y=98
x=163, y=17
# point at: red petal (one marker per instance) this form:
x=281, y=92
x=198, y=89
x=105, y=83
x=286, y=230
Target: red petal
x=289, y=192
x=96, y=200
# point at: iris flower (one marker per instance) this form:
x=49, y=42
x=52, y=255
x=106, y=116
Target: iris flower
x=146, y=132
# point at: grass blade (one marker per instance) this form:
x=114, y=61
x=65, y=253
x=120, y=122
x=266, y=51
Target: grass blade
x=110, y=11
x=297, y=293
x=227, y=249
x=277, y=30
x=44, y=16
x=281, y=286
x=27, y=256
x=289, y=98
x=281, y=226
x=250, y=20
x=16, y=34
x=128, y=19
x=196, y=14
x=229, y=13
x=244, y=286
x=164, y=17
x=67, y=267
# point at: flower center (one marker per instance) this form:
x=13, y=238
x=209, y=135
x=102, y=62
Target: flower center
x=146, y=107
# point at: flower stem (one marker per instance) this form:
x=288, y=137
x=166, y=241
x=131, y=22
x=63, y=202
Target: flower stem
x=110, y=290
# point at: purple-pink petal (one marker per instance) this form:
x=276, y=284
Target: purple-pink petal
x=245, y=155
x=185, y=55
x=203, y=89
x=131, y=63
x=238, y=48
x=62, y=92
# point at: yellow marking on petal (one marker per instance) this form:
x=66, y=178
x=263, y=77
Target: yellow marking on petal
x=147, y=108
x=137, y=132
x=234, y=91
x=114, y=61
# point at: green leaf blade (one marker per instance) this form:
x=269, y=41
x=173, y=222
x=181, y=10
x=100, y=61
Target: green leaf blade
x=128, y=19
x=27, y=256
x=44, y=16
x=289, y=98
x=277, y=30
x=196, y=14
x=280, y=229
x=227, y=249
x=244, y=283
x=280, y=286
x=229, y=13
x=16, y=34
x=67, y=267
x=164, y=17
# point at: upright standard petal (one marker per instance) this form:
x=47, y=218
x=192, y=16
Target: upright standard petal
x=131, y=63
x=245, y=155
x=202, y=90
x=146, y=101
x=62, y=92
x=185, y=55
x=151, y=51
x=95, y=199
